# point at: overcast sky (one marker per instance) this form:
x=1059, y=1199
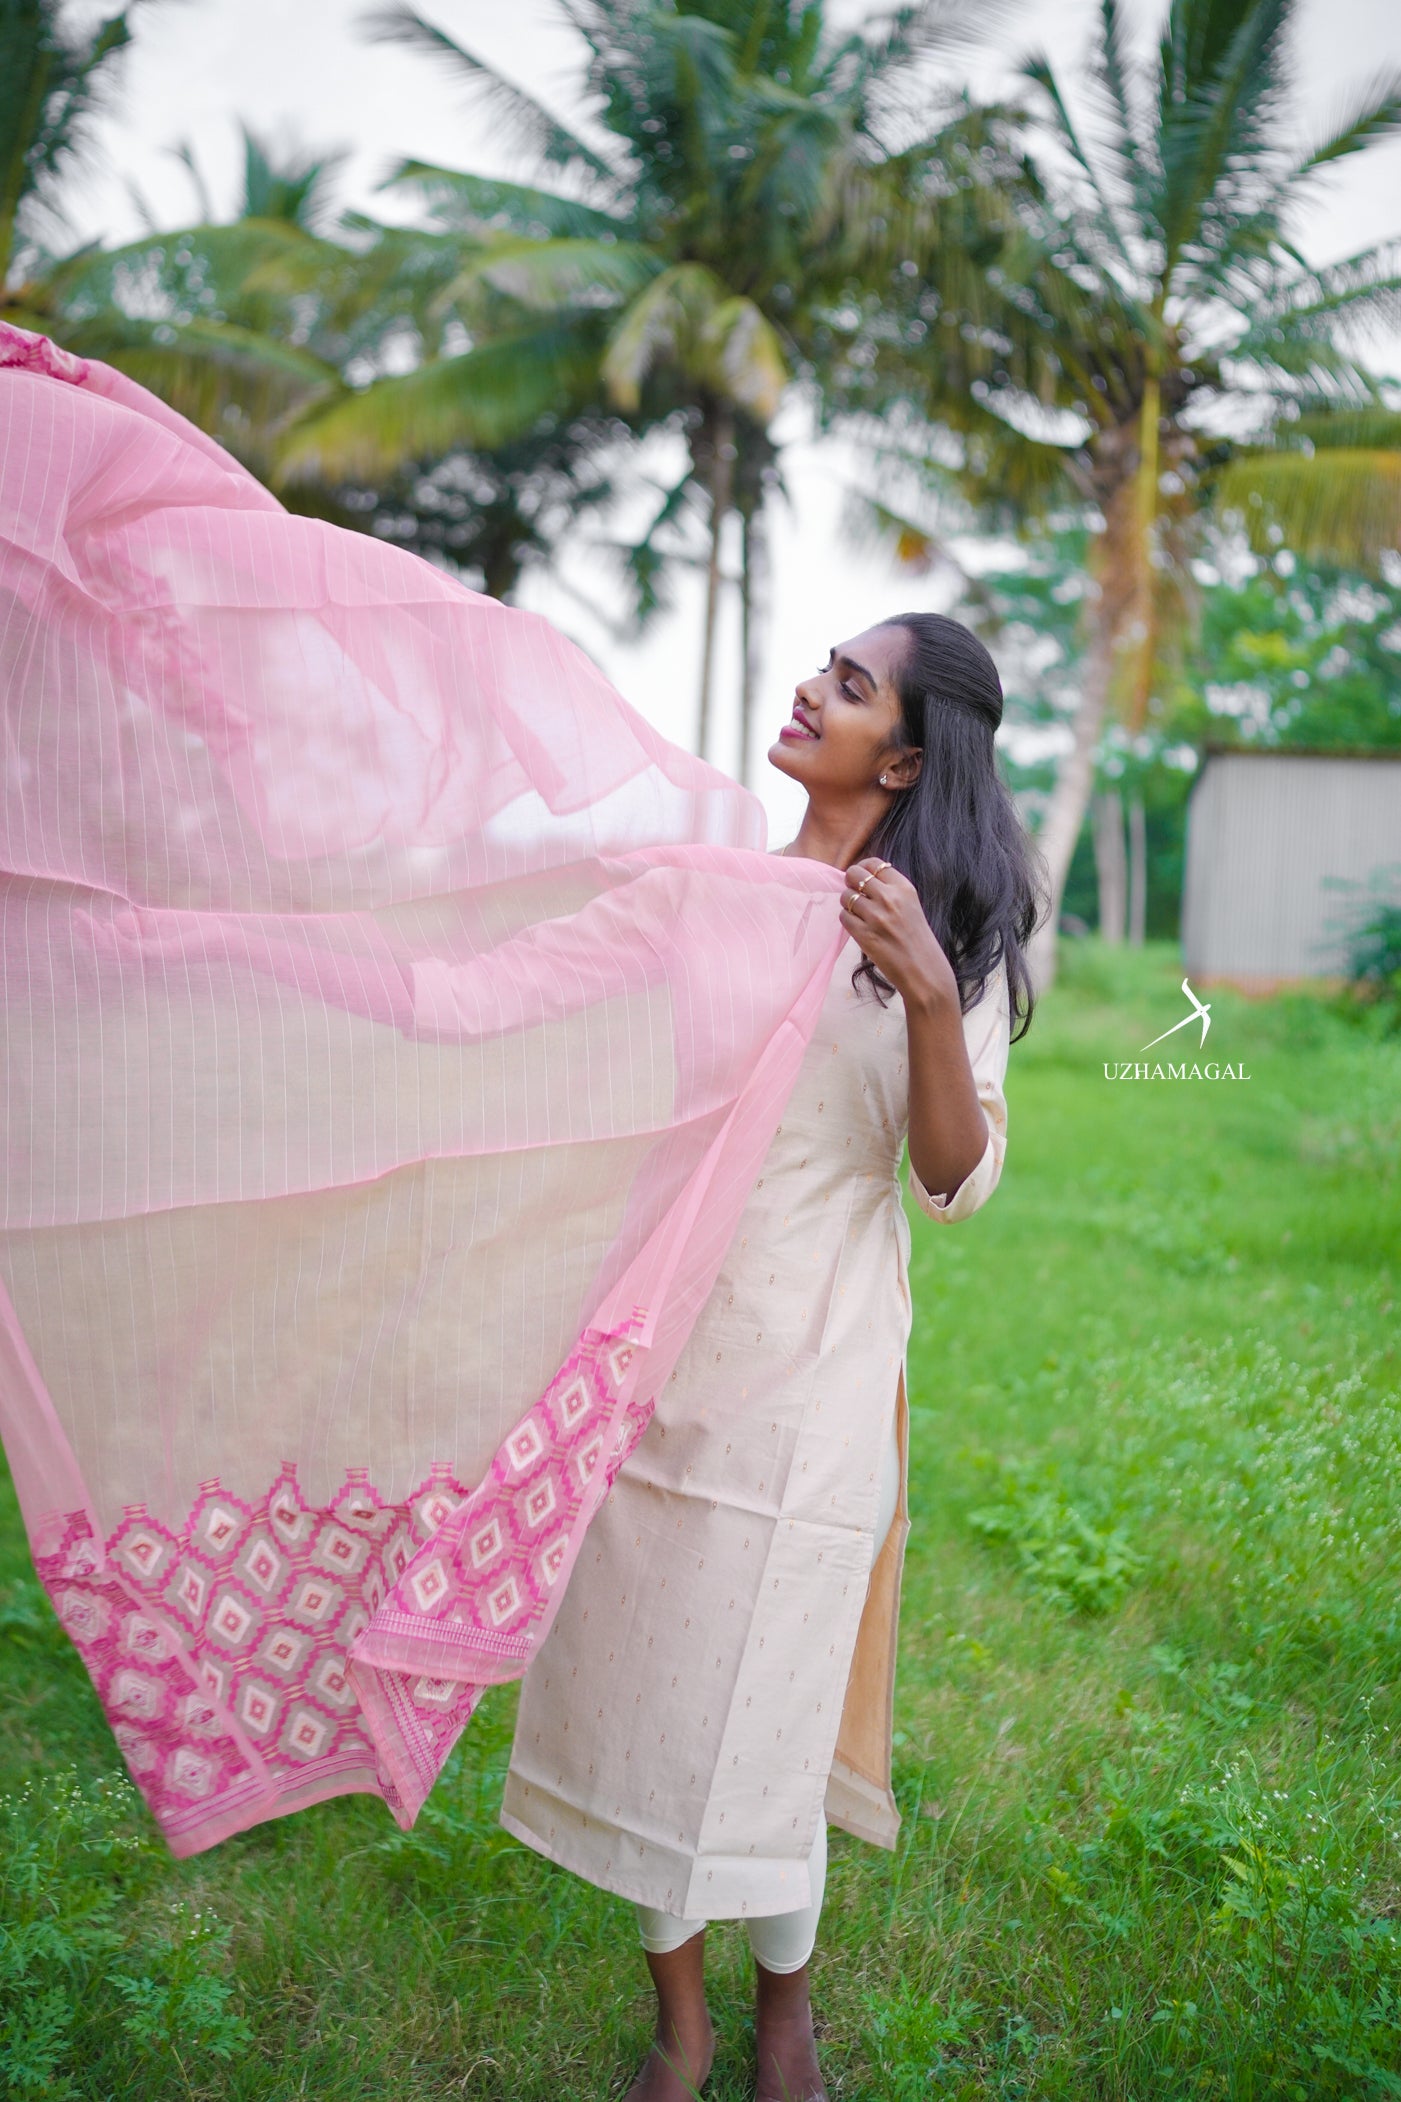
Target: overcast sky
x=298, y=70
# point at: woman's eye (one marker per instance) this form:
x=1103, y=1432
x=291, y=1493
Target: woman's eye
x=844, y=688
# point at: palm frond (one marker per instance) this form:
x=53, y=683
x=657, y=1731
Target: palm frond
x=1360, y=289
x=1113, y=66
x=1376, y=114
x=209, y=371
x=644, y=563
x=51, y=83
x=481, y=400
x=1039, y=72
x=184, y=152
x=537, y=128
x=795, y=171
x=120, y=339
x=929, y=29
x=547, y=275
x=291, y=187
x=748, y=358
x=1008, y=476
x=1219, y=99
x=914, y=543
x=691, y=91
x=480, y=204
x=1292, y=369
x=662, y=326
x=1339, y=506
x=1321, y=429
x=887, y=69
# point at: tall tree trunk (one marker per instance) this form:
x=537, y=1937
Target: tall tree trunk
x=1117, y=580
x=752, y=577
x=1138, y=872
x=1070, y=798
x=721, y=479
x=501, y=568
x=1111, y=868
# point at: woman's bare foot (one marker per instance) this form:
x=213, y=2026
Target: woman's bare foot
x=678, y=2064
x=786, y=2046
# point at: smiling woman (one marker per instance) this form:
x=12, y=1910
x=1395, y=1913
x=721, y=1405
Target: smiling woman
x=733, y=1617
x=452, y=1227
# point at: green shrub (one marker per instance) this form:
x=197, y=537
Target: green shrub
x=1374, y=963
x=94, y=1974
x=1078, y=1560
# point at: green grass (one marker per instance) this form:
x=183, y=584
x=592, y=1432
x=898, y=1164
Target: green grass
x=1150, y=1692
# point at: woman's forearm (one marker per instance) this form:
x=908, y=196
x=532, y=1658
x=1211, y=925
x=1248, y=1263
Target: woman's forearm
x=948, y=1130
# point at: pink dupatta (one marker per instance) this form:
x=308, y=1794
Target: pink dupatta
x=394, y=1026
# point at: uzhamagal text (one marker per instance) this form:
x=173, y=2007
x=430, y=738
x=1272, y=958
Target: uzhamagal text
x=1172, y=1072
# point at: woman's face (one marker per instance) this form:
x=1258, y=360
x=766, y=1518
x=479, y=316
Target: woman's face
x=846, y=719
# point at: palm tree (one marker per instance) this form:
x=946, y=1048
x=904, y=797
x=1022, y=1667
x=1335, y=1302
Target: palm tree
x=51, y=84
x=242, y=323
x=153, y=308
x=1153, y=348
x=749, y=186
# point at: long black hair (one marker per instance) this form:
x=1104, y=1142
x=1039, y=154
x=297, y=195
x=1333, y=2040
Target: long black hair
x=956, y=833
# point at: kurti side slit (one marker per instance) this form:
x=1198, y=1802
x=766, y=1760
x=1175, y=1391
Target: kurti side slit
x=722, y=1666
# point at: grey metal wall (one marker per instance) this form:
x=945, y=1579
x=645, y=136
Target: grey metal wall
x=1264, y=829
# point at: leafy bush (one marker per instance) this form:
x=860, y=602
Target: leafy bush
x=1374, y=959
x=1065, y=1554
x=914, y=2043
x=91, y=1969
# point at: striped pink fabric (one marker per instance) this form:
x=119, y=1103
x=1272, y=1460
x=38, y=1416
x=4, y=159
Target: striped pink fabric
x=394, y=1025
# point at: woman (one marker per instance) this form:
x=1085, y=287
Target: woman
x=683, y=1725
x=416, y=1086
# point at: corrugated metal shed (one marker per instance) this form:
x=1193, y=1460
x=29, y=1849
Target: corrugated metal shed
x=1268, y=835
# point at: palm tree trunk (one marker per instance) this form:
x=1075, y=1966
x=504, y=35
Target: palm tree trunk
x=1138, y=873
x=753, y=554
x=1117, y=569
x=501, y=569
x=722, y=462
x=1111, y=867
x=1070, y=798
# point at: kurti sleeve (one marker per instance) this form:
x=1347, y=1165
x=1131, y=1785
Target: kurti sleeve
x=987, y=1034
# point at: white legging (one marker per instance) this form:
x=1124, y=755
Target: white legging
x=783, y=1942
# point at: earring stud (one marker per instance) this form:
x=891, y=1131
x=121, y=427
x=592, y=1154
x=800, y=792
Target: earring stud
x=882, y=780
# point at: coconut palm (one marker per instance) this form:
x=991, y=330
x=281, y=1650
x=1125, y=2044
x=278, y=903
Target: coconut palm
x=52, y=82
x=153, y=308
x=1154, y=348
x=746, y=181
x=243, y=322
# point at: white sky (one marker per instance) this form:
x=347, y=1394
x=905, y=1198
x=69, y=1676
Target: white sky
x=297, y=69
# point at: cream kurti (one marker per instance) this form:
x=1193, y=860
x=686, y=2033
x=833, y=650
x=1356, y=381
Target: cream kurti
x=723, y=1661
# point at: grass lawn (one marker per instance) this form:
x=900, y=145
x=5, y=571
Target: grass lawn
x=1150, y=1699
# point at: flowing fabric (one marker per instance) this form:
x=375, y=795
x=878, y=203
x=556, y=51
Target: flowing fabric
x=394, y=1025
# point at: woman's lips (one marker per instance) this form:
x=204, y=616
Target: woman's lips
x=794, y=728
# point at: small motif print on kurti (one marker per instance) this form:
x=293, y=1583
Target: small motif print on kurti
x=727, y=1515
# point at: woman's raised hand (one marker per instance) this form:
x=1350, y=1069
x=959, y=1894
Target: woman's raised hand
x=880, y=910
